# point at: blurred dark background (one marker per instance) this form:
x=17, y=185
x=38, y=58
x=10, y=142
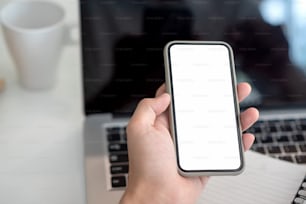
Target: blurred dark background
x=124, y=39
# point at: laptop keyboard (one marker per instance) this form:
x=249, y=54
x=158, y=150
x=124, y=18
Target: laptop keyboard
x=118, y=156
x=282, y=139
x=285, y=140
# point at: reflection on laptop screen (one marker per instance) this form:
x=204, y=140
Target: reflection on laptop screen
x=123, y=42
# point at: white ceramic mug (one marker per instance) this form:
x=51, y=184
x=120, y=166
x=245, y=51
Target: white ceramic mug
x=34, y=32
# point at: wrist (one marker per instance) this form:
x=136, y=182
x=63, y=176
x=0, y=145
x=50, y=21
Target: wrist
x=147, y=194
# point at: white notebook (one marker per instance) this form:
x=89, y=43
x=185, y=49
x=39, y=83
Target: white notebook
x=264, y=181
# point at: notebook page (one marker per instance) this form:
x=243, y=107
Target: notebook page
x=265, y=181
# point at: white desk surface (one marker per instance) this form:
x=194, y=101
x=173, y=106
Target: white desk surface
x=41, y=158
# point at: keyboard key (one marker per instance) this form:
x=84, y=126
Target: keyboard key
x=274, y=122
x=302, y=193
x=113, y=129
x=259, y=149
x=298, y=138
x=286, y=128
x=116, y=158
x=282, y=138
x=302, y=127
x=273, y=149
x=272, y=128
x=119, y=169
x=290, y=148
x=117, y=147
x=113, y=137
x=118, y=181
x=255, y=130
x=301, y=159
x=303, y=147
x=260, y=122
x=286, y=158
x=266, y=139
x=299, y=200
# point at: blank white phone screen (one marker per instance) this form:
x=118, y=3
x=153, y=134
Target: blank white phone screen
x=203, y=101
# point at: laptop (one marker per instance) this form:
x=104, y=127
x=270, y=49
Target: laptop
x=122, y=62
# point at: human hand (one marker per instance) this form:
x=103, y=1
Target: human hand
x=153, y=175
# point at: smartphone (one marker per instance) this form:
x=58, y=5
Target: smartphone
x=204, y=110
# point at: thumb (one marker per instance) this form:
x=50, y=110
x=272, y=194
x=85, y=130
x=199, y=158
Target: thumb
x=148, y=109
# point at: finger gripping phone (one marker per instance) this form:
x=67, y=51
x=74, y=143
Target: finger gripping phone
x=204, y=110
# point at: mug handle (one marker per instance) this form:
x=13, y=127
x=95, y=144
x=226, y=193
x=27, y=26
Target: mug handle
x=69, y=30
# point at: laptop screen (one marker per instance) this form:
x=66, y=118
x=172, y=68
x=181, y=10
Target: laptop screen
x=123, y=40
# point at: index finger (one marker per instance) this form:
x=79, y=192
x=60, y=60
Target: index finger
x=243, y=90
